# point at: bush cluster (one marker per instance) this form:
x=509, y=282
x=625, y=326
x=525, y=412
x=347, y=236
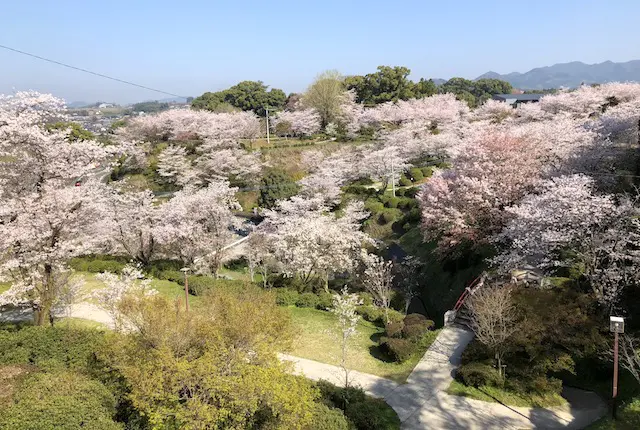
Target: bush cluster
x=60, y=401
x=49, y=348
x=478, y=375
x=403, y=337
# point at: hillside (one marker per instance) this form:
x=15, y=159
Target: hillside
x=571, y=74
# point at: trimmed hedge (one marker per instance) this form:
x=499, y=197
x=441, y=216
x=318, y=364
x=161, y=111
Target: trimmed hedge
x=399, y=350
x=416, y=174
x=479, y=374
x=50, y=348
x=327, y=418
x=286, y=297
x=394, y=329
x=404, y=181
x=307, y=300
x=364, y=412
x=427, y=172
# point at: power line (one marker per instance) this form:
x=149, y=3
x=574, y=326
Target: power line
x=89, y=71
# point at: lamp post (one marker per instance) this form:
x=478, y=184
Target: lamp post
x=616, y=325
x=186, y=287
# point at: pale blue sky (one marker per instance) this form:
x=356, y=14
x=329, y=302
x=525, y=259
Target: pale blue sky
x=188, y=47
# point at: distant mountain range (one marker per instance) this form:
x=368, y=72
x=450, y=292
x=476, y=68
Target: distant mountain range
x=570, y=75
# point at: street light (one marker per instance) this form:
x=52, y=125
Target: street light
x=186, y=287
x=616, y=325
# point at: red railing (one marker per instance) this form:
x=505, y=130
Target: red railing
x=467, y=291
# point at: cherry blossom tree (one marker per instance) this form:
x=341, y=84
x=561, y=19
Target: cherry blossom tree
x=493, y=111
x=197, y=224
x=344, y=307
x=307, y=240
x=217, y=139
x=378, y=280
x=303, y=122
x=175, y=168
x=44, y=219
x=465, y=203
x=564, y=211
x=131, y=225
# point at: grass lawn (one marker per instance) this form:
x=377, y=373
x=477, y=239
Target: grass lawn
x=166, y=288
x=493, y=394
x=318, y=341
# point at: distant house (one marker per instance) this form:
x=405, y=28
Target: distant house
x=518, y=99
x=105, y=105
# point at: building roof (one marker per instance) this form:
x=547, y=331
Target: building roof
x=518, y=97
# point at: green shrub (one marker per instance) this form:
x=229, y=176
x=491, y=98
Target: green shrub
x=366, y=298
x=286, y=297
x=629, y=414
x=400, y=192
x=407, y=203
x=415, y=331
x=325, y=301
x=276, y=185
x=394, y=329
x=60, y=401
x=327, y=418
x=365, y=413
x=427, y=172
x=374, y=206
x=359, y=190
x=411, y=192
x=399, y=350
x=370, y=313
x=171, y=275
x=416, y=174
x=374, y=414
x=50, y=348
x=414, y=319
x=159, y=266
x=395, y=316
x=199, y=284
x=307, y=300
x=405, y=182
x=386, y=217
x=392, y=202
x=98, y=264
x=479, y=374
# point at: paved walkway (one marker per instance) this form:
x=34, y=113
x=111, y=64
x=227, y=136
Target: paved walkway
x=422, y=402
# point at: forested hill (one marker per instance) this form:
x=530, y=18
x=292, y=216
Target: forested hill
x=571, y=74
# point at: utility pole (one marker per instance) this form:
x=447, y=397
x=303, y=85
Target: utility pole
x=393, y=178
x=616, y=325
x=267, y=111
x=186, y=287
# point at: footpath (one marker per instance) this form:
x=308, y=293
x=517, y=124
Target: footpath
x=422, y=402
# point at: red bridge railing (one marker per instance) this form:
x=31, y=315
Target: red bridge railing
x=468, y=291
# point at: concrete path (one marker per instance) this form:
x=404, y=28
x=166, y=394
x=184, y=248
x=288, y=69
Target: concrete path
x=422, y=403
x=373, y=385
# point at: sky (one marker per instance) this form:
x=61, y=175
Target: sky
x=188, y=47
